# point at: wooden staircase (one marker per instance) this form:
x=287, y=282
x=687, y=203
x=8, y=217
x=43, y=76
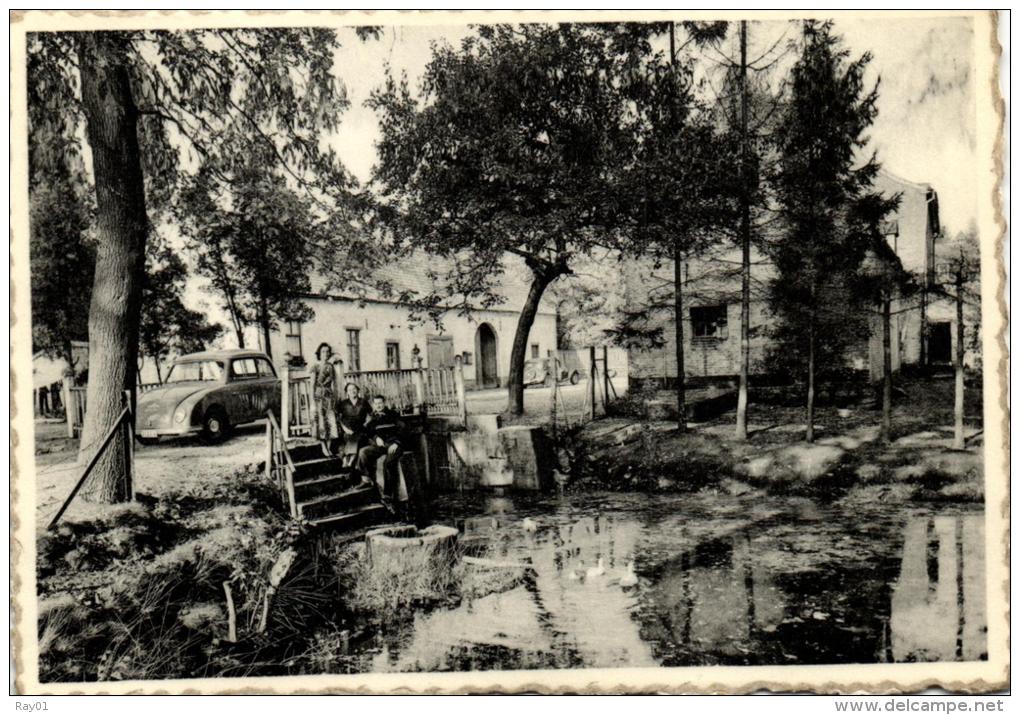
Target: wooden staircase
x=317, y=489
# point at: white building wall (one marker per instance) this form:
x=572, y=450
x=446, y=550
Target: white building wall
x=380, y=323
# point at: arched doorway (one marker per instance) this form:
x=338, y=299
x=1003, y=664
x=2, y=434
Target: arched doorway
x=486, y=369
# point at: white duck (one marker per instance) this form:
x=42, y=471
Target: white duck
x=596, y=571
x=630, y=578
x=529, y=525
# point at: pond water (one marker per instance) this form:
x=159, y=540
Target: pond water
x=715, y=580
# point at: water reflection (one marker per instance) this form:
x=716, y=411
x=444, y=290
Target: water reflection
x=763, y=581
x=938, y=604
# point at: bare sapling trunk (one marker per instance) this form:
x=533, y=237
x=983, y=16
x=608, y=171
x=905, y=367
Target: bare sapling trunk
x=678, y=311
x=886, y=367
x=809, y=433
x=958, y=436
x=745, y=248
x=515, y=380
x=121, y=226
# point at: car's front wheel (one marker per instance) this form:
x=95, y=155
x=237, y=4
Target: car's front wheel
x=575, y=377
x=215, y=427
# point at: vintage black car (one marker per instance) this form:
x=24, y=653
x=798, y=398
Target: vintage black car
x=207, y=394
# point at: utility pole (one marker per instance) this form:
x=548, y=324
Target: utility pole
x=678, y=298
x=745, y=245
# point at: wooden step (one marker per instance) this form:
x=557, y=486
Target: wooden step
x=337, y=503
x=309, y=489
x=314, y=468
x=304, y=452
x=362, y=516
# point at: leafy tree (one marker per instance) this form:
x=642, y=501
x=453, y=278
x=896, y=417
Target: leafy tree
x=259, y=251
x=514, y=145
x=678, y=181
x=152, y=102
x=819, y=177
x=62, y=262
x=168, y=325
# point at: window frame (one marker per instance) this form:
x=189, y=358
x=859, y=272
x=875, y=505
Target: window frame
x=353, y=349
x=395, y=344
x=720, y=328
x=290, y=334
x=245, y=376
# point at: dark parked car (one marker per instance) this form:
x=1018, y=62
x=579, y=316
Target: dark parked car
x=207, y=393
x=539, y=371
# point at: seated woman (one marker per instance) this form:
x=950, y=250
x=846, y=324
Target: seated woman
x=354, y=411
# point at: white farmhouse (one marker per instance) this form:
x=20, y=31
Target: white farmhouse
x=377, y=332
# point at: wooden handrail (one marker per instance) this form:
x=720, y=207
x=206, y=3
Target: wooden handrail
x=126, y=412
x=275, y=427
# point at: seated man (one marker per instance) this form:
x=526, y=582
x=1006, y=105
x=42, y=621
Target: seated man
x=354, y=410
x=383, y=432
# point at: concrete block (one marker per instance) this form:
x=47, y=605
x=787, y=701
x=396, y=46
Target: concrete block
x=529, y=455
x=488, y=424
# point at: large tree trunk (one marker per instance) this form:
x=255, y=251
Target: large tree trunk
x=235, y=315
x=886, y=367
x=515, y=380
x=958, y=441
x=745, y=247
x=678, y=311
x=121, y=225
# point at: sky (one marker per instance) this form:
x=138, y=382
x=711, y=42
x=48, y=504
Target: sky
x=924, y=131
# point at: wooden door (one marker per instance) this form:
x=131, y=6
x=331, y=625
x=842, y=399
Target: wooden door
x=439, y=351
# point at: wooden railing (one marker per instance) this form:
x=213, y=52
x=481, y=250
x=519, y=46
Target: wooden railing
x=434, y=391
x=397, y=386
x=74, y=406
x=279, y=466
x=75, y=403
x=297, y=409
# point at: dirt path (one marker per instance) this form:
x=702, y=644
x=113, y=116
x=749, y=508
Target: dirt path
x=166, y=467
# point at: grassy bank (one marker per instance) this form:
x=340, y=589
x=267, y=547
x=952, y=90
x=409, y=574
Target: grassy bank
x=206, y=582
x=847, y=460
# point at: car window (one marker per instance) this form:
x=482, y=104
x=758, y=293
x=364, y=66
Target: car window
x=204, y=370
x=265, y=369
x=243, y=369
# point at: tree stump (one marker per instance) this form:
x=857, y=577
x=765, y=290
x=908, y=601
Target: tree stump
x=415, y=564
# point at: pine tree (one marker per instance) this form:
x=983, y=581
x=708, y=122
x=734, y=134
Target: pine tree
x=818, y=179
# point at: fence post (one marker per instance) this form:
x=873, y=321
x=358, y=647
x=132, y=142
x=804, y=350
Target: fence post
x=605, y=379
x=591, y=379
x=269, y=449
x=129, y=445
x=285, y=398
x=70, y=411
x=418, y=378
x=458, y=382
x=554, y=368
